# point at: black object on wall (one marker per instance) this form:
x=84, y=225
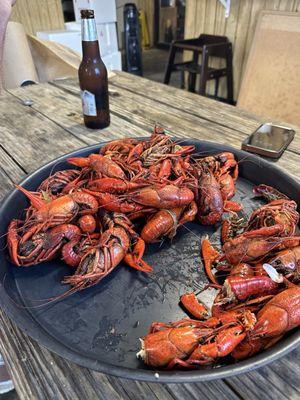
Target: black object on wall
x=133, y=52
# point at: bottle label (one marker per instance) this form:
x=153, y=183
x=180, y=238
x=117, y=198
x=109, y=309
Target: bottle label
x=88, y=30
x=88, y=103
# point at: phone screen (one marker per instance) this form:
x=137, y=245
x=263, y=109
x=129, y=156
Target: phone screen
x=270, y=137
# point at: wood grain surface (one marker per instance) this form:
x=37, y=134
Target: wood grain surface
x=208, y=16
x=38, y=15
x=52, y=126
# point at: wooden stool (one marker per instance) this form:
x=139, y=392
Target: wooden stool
x=208, y=46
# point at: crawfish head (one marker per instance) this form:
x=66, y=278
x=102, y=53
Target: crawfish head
x=268, y=193
x=102, y=165
x=100, y=260
x=161, y=347
x=280, y=314
x=43, y=246
x=288, y=262
x=56, y=182
x=253, y=245
x=209, y=200
x=282, y=212
x=52, y=212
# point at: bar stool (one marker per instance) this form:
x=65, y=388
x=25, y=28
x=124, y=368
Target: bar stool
x=208, y=46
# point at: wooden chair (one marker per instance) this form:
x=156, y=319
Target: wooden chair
x=207, y=46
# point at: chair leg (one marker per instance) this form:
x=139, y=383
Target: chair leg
x=192, y=82
x=170, y=64
x=204, y=72
x=229, y=76
x=182, y=80
x=192, y=77
x=216, y=87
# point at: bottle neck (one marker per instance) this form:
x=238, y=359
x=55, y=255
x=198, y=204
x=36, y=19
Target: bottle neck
x=90, y=45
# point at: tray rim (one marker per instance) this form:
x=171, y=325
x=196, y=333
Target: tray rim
x=35, y=331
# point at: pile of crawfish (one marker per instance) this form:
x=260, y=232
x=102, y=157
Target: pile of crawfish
x=136, y=192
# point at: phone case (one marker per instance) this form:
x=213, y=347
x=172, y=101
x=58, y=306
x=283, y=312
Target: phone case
x=267, y=152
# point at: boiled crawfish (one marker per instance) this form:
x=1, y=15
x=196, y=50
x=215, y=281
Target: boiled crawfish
x=112, y=248
x=166, y=222
x=190, y=342
x=33, y=247
x=59, y=210
x=278, y=316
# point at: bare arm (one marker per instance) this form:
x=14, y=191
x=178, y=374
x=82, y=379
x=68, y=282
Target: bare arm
x=5, y=11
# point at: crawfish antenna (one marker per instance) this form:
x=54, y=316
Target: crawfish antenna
x=34, y=198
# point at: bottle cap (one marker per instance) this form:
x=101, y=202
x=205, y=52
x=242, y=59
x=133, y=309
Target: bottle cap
x=87, y=14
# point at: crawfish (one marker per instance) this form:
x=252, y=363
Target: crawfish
x=256, y=244
x=165, y=197
x=101, y=165
x=193, y=306
x=61, y=209
x=269, y=193
x=119, y=146
x=113, y=246
x=73, y=251
x=288, y=262
x=280, y=315
x=160, y=348
x=277, y=212
x=169, y=344
x=239, y=288
x=35, y=247
x=113, y=185
x=58, y=181
x=165, y=222
x=209, y=199
x=112, y=202
x=225, y=170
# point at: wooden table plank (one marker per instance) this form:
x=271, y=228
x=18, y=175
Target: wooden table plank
x=227, y=115
x=23, y=128
x=134, y=107
x=46, y=375
x=279, y=380
x=224, y=115
x=141, y=114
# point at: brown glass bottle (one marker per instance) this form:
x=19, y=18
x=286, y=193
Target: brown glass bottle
x=93, y=76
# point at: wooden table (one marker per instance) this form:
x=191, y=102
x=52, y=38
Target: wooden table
x=52, y=126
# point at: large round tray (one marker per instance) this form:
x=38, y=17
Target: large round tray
x=99, y=327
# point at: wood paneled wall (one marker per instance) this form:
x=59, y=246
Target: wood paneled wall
x=38, y=15
x=208, y=16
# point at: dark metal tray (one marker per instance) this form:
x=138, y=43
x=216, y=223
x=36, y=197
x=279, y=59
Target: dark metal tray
x=99, y=327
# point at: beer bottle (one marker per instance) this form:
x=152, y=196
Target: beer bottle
x=92, y=76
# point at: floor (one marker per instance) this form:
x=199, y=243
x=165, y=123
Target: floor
x=12, y=395
x=154, y=66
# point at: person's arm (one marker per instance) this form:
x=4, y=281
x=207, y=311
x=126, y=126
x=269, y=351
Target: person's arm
x=5, y=11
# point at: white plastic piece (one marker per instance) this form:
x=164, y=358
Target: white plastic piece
x=273, y=274
x=226, y=4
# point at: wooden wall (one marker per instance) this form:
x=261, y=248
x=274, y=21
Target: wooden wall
x=207, y=16
x=38, y=15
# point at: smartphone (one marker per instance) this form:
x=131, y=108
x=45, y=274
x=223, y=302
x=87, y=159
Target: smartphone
x=269, y=140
